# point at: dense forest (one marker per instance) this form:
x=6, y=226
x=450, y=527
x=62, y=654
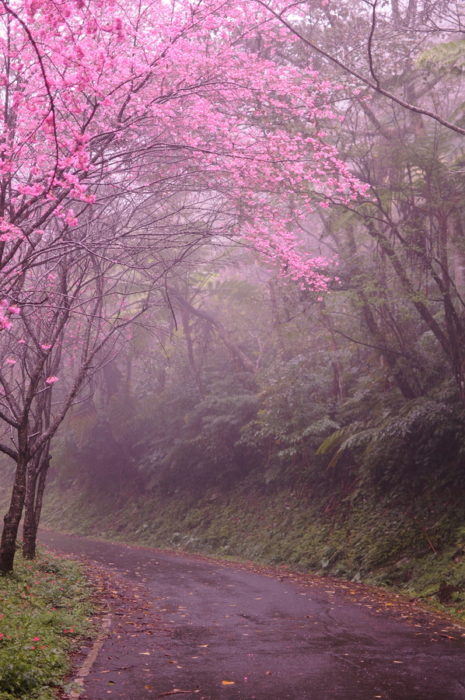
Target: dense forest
x=248, y=412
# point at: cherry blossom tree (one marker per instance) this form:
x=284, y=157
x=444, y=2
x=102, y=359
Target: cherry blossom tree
x=51, y=354
x=96, y=93
x=131, y=134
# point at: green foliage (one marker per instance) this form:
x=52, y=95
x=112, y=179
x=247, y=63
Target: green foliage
x=402, y=442
x=205, y=443
x=44, y=606
x=447, y=56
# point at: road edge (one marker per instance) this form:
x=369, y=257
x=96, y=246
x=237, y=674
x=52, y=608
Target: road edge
x=78, y=681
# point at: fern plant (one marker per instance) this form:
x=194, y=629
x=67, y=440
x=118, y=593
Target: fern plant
x=417, y=438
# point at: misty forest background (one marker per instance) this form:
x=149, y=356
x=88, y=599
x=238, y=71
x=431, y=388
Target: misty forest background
x=248, y=417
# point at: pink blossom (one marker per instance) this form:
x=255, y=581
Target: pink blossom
x=230, y=126
x=70, y=218
x=51, y=380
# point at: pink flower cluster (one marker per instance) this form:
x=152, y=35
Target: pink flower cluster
x=51, y=380
x=172, y=83
x=7, y=310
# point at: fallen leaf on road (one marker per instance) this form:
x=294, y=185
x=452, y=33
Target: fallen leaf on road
x=144, y=653
x=227, y=682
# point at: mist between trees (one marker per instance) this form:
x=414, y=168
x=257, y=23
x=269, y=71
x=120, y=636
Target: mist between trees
x=232, y=240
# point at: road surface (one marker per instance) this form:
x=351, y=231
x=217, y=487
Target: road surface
x=196, y=628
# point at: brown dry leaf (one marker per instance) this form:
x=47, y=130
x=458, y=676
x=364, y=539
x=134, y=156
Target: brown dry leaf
x=228, y=682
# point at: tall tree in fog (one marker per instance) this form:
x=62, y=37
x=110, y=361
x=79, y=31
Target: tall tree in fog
x=403, y=129
x=361, y=41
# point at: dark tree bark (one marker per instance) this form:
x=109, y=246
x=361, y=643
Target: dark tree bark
x=37, y=470
x=15, y=510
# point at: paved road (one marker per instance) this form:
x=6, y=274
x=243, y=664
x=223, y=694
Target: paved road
x=218, y=631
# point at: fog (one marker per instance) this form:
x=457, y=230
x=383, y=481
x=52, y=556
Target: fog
x=235, y=306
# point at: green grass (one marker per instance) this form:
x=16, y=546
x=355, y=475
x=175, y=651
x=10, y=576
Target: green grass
x=44, y=609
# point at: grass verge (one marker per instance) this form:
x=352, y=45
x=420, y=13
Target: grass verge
x=44, y=609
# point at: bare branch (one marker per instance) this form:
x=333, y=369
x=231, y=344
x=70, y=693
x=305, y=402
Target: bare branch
x=355, y=74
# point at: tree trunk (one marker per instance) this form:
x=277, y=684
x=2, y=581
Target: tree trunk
x=29, y=530
x=35, y=485
x=390, y=357
x=13, y=516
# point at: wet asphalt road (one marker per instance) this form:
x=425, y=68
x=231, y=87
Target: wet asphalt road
x=215, y=631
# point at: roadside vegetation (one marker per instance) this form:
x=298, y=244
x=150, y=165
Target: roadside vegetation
x=44, y=610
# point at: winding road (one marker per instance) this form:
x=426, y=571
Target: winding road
x=191, y=627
